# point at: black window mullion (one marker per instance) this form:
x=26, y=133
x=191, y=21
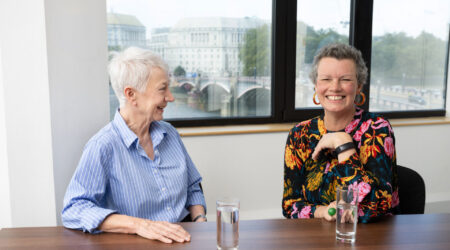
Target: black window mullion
x=279, y=66
x=290, y=114
x=361, y=13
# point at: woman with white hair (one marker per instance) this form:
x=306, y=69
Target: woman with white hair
x=135, y=175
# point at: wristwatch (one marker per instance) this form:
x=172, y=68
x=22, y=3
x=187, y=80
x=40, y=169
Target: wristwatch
x=200, y=216
x=344, y=147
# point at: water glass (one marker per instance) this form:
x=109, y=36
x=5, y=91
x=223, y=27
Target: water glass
x=227, y=223
x=347, y=214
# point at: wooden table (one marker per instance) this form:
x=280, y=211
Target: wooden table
x=430, y=231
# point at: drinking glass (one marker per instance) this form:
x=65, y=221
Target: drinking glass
x=227, y=223
x=347, y=214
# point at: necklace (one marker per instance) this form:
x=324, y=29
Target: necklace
x=332, y=131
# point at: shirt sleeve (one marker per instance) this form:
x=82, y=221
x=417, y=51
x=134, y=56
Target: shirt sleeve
x=194, y=193
x=295, y=203
x=84, y=196
x=373, y=170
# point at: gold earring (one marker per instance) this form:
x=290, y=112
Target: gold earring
x=314, y=99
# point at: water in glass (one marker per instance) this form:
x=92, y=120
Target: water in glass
x=346, y=220
x=227, y=227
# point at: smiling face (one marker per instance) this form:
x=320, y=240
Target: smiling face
x=154, y=99
x=336, y=85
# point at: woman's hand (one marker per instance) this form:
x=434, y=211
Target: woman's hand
x=332, y=140
x=154, y=230
x=322, y=212
x=161, y=230
x=347, y=216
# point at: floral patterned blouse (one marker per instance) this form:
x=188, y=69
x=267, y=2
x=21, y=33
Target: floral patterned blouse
x=372, y=168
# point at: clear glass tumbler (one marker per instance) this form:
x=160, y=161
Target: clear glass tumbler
x=227, y=223
x=347, y=214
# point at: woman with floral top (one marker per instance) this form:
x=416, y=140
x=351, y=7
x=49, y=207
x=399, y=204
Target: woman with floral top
x=345, y=146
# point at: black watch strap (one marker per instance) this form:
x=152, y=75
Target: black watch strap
x=199, y=216
x=344, y=147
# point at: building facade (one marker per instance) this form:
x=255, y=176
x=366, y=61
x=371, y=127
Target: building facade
x=204, y=46
x=125, y=31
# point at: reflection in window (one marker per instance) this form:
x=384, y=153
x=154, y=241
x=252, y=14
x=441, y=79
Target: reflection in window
x=234, y=83
x=319, y=22
x=409, y=50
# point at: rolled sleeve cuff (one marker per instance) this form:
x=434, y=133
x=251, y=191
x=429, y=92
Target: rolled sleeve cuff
x=92, y=219
x=196, y=198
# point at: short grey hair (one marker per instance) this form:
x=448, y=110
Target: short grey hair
x=341, y=51
x=132, y=67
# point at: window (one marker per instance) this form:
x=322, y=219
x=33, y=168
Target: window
x=409, y=54
x=258, y=61
x=233, y=88
x=313, y=32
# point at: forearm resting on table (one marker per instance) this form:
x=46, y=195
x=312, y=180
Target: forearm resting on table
x=156, y=230
x=119, y=223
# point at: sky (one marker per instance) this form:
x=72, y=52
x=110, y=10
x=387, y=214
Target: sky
x=409, y=16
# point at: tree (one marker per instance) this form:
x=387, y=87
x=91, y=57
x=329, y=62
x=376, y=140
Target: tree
x=255, y=54
x=315, y=40
x=179, y=71
x=399, y=59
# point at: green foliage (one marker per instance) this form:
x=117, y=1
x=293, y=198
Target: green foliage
x=115, y=48
x=179, y=71
x=399, y=59
x=309, y=41
x=315, y=40
x=255, y=54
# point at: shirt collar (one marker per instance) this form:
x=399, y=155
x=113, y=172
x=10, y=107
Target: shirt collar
x=157, y=131
x=128, y=136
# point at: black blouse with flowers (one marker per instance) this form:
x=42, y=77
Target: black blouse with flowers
x=372, y=168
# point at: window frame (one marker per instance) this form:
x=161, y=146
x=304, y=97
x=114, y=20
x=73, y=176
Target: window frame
x=284, y=26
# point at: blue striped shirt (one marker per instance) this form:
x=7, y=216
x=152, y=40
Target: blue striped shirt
x=115, y=175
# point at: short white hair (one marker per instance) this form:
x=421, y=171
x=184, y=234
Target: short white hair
x=132, y=67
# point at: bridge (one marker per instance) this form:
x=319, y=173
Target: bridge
x=227, y=95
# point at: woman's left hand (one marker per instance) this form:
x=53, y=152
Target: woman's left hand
x=331, y=141
x=322, y=212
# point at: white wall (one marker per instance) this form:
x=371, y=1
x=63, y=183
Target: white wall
x=5, y=207
x=426, y=149
x=27, y=112
x=55, y=96
x=77, y=58
x=249, y=167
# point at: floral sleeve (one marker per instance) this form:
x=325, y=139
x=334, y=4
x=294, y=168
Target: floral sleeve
x=295, y=203
x=372, y=170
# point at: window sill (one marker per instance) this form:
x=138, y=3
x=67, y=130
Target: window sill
x=285, y=127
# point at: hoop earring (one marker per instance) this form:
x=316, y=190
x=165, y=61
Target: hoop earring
x=314, y=99
x=362, y=101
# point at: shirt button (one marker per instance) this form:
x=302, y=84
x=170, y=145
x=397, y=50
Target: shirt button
x=155, y=171
x=163, y=189
x=168, y=208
